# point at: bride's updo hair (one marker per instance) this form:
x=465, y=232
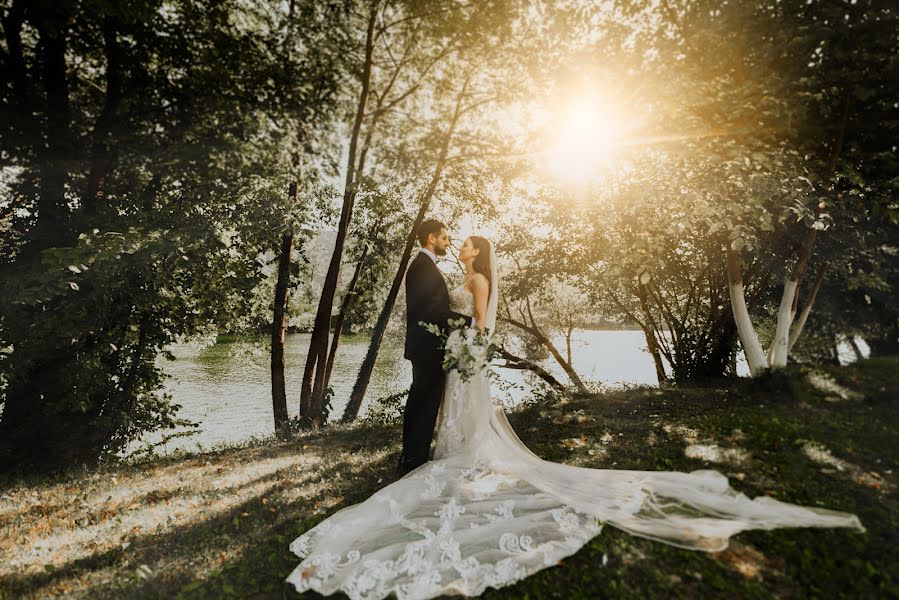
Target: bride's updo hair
x=481, y=263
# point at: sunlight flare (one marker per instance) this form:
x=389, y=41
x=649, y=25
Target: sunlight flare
x=584, y=132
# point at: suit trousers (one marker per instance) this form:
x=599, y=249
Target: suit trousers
x=420, y=414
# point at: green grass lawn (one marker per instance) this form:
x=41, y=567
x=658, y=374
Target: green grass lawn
x=112, y=533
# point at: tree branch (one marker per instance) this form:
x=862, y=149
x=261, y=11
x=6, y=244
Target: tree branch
x=519, y=363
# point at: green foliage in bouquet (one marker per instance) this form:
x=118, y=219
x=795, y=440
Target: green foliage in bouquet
x=467, y=349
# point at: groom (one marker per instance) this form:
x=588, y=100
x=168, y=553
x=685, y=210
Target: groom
x=427, y=300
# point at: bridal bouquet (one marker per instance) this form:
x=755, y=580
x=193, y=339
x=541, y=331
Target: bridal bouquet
x=467, y=350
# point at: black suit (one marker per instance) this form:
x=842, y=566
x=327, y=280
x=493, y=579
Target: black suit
x=427, y=300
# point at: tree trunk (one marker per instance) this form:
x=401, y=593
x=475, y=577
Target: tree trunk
x=24, y=97
x=854, y=345
x=566, y=366
x=101, y=156
x=279, y=329
x=518, y=363
x=732, y=364
x=314, y=374
x=651, y=342
x=653, y=348
x=344, y=308
x=752, y=348
x=374, y=346
x=807, y=308
x=58, y=146
x=778, y=352
x=779, y=348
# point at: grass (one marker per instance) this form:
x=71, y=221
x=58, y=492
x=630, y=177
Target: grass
x=217, y=525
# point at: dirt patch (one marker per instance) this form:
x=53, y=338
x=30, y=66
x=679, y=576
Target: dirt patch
x=745, y=560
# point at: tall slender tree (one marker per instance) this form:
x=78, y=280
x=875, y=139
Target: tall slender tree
x=279, y=327
x=400, y=53
x=365, y=370
x=313, y=383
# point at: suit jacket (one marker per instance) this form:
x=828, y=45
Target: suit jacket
x=427, y=299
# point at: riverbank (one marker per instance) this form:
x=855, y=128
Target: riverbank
x=217, y=524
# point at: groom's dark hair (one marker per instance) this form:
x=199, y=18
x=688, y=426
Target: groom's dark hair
x=427, y=228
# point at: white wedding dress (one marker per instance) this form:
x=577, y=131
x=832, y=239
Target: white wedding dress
x=487, y=512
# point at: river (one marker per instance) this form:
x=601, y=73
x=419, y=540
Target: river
x=227, y=387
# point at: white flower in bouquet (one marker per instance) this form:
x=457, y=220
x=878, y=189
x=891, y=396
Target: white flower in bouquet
x=454, y=342
x=466, y=349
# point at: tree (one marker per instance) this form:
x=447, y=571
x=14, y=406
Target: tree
x=409, y=47
x=450, y=156
x=365, y=370
x=841, y=94
x=376, y=230
x=313, y=384
x=139, y=189
x=292, y=48
x=389, y=78
x=753, y=151
x=537, y=301
x=279, y=329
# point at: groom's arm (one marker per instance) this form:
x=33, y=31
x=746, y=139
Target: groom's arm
x=420, y=294
x=454, y=316
x=443, y=318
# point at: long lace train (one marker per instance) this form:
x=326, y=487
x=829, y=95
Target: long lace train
x=488, y=512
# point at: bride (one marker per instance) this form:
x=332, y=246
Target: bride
x=487, y=512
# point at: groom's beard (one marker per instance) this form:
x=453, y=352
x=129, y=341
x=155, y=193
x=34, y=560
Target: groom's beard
x=440, y=251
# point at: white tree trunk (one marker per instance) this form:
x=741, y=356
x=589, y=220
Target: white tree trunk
x=796, y=331
x=752, y=348
x=780, y=345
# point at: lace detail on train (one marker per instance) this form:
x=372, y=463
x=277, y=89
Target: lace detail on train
x=487, y=512
x=442, y=529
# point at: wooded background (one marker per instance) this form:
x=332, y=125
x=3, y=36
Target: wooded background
x=170, y=167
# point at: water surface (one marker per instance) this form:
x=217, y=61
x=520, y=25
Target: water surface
x=227, y=387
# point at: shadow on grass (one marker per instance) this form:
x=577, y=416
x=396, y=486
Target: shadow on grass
x=248, y=557
x=265, y=533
